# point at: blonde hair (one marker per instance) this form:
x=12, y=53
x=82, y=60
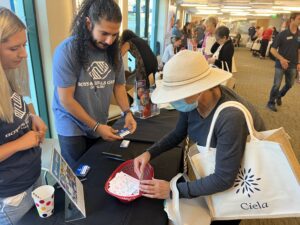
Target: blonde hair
x=14, y=80
x=212, y=20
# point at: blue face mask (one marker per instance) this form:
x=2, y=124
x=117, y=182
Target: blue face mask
x=182, y=106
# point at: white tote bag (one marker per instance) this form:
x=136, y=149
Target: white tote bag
x=186, y=211
x=267, y=185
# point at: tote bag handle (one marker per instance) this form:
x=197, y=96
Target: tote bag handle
x=254, y=135
x=175, y=198
x=224, y=63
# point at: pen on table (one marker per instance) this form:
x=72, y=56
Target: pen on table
x=112, y=154
x=83, y=179
x=115, y=158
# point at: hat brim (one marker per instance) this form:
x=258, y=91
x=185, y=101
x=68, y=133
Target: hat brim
x=164, y=94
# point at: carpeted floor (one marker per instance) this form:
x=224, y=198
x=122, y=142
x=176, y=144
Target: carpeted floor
x=254, y=79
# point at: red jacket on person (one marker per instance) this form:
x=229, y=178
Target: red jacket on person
x=267, y=34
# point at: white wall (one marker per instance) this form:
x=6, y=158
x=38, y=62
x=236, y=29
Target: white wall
x=5, y=3
x=54, y=19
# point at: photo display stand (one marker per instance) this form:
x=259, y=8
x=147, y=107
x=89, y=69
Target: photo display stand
x=72, y=186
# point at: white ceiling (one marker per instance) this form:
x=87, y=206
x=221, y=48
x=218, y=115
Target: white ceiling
x=240, y=8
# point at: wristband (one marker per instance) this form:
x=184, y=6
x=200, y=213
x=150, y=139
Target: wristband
x=96, y=126
x=124, y=113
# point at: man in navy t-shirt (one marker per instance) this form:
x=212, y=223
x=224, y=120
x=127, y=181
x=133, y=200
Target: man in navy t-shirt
x=286, y=50
x=87, y=71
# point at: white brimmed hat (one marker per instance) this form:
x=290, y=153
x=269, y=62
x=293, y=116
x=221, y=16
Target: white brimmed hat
x=187, y=73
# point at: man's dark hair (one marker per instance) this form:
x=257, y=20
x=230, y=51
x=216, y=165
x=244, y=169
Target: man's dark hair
x=294, y=15
x=127, y=35
x=222, y=31
x=95, y=10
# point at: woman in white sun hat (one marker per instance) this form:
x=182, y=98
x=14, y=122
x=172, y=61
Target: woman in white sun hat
x=194, y=89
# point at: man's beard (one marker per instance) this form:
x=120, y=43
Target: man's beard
x=96, y=43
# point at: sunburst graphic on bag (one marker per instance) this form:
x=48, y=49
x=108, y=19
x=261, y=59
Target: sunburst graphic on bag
x=246, y=182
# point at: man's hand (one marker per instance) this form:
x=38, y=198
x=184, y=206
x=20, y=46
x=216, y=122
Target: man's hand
x=107, y=133
x=130, y=123
x=140, y=162
x=39, y=126
x=284, y=63
x=155, y=188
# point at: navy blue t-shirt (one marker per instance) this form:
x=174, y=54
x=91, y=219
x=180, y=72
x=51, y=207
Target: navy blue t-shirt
x=229, y=138
x=287, y=45
x=22, y=169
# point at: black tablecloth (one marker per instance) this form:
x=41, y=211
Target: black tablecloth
x=152, y=129
x=102, y=208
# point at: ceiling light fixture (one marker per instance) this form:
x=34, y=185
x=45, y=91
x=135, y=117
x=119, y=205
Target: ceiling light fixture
x=192, y=5
x=236, y=7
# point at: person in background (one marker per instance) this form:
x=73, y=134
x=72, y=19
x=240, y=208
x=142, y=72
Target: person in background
x=274, y=33
x=209, y=39
x=223, y=49
x=193, y=88
x=87, y=71
x=252, y=31
x=146, y=62
x=266, y=37
x=187, y=34
x=171, y=49
x=286, y=50
x=176, y=32
x=237, y=39
x=200, y=33
x=20, y=131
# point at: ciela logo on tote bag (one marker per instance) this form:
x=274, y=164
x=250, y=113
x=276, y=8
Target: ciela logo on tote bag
x=268, y=179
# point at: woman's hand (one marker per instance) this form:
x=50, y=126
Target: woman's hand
x=130, y=123
x=39, y=126
x=108, y=133
x=29, y=140
x=155, y=188
x=211, y=60
x=140, y=162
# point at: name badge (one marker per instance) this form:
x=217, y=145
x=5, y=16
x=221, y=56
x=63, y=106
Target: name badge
x=289, y=38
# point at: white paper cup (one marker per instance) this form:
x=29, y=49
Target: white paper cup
x=43, y=197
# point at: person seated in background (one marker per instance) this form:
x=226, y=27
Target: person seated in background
x=21, y=132
x=193, y=88
x=222, y=50
x=172, y=49
x=145, y=60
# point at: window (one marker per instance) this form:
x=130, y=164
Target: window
x=140, y=17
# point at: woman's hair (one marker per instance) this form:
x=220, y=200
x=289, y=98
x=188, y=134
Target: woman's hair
x=13, y=80
x=212, y=20
x=174, y=39
x=185, y=28
x=221, y=32
x=95, y=10
x=127, y=35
